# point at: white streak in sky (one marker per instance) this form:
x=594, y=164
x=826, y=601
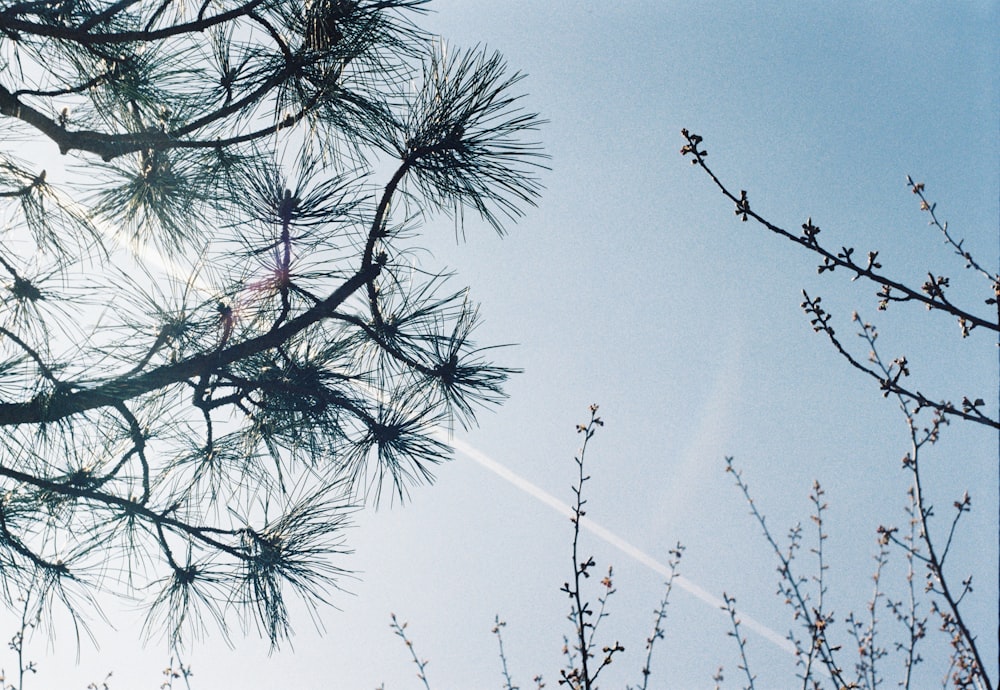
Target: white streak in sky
x=614, y=540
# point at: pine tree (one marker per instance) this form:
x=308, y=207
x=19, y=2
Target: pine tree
x=215, y=339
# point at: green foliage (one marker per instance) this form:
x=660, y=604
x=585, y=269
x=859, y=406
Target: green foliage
x=214, y=340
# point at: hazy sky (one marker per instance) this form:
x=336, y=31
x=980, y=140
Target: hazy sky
x=633, y=285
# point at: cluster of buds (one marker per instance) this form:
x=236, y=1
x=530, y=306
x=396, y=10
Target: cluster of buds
x=968, y=405
x=934, y=288
x=886, y=533
x=819, y=317
x=809, y=232
x=691, y=147
x=743, y=206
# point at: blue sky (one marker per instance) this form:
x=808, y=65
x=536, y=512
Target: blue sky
x=634, y=286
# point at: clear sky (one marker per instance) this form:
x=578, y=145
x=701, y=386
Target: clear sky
x=633, y=285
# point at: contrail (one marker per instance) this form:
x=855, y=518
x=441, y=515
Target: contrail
x=614, y=540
